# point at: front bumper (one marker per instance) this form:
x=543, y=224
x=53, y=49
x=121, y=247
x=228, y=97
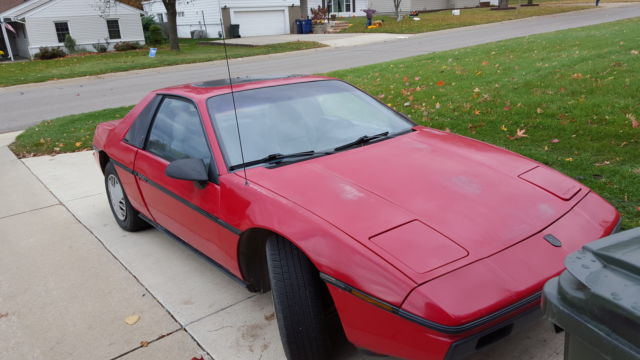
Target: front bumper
x=456, y=314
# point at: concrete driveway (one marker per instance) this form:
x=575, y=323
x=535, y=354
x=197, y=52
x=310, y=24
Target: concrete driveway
x=26, y=105
x=69, y=277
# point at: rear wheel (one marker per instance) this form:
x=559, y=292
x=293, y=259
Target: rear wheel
x=300, y=301
x=126, y=216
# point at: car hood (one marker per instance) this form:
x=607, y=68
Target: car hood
x=427, y=200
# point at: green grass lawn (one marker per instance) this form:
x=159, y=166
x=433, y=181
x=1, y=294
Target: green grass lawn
x=442, y=20
x=95, y=64
x=571, y=95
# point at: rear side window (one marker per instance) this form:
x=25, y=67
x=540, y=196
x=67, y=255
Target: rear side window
x=176, y=132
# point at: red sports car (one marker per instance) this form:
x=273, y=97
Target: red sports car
x=422, y=243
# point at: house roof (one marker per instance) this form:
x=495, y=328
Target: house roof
x=8, y=4
x=24, y=6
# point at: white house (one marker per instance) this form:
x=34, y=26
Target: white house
x=37, y=23
x=255, y=17
x=355, y=7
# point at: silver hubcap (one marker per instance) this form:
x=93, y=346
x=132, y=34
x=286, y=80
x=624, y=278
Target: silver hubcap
x=116, y=195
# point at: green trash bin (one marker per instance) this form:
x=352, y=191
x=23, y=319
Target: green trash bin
x=235, y=30
x=597, y=299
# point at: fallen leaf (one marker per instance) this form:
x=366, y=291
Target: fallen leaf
x=476, y=90
x=417, y=78
x=197, y=358
x=144, y=343
x=577, y=76
x=440, y=83
x=634, y=121
x=477, y=112
x=447, y=130
x=79, y=143
x=602, y=163
x=405, y=79
x=408, y=103
x=503, y=128
x=634, y=52
x=41, y=140
x=637, y=171
x=381, y=96
x=438, y=105
x=539, y=111
x=3, y=315
x=485, y=63
x=130, y=320
x=569, y=159
x=520, y=133
x=555, y=141
x=506, y=108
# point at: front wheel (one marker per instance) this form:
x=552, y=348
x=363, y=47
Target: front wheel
x=126, y=216
x=300, y=301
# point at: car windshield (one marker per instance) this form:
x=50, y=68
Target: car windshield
x=318, y=116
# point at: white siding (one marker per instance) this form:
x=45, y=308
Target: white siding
x=430, y=4
x=464, y=3
x=193, y=16
x=86, y=30
x=386, y=6
x=193, y=11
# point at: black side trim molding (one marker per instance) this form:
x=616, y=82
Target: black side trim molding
x=446, y=329
x=213, y=262
x=201, y=211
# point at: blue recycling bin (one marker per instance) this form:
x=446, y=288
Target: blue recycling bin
x=299, y=26
x=307, y=27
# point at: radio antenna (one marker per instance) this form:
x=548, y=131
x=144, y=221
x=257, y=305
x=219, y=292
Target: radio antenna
x=233, y=98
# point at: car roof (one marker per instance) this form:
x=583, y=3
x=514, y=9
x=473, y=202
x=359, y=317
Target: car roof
x=207, y=89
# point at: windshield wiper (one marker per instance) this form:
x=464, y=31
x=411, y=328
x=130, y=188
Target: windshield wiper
x=362, y=140
x=273, y=157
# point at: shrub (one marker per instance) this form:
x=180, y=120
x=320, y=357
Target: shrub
x=147, y=22
x=47, y=53
x=126, y=45
x=100, y=47
x=155, y=35
x=70, y=44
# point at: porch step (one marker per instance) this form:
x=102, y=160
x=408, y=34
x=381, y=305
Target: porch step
x=338, y=26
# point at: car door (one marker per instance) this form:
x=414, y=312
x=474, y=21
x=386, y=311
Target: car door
x=187, y=209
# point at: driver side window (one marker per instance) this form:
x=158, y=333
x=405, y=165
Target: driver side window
x=177, y=133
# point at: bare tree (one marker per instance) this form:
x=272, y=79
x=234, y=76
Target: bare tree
x=396, y=6
x=503, y=4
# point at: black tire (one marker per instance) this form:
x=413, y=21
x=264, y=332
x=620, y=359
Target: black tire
x=299, y=298
x=126, y=216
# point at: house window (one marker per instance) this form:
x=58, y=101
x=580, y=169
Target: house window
x=180, y=13
x=160, y=18
x=114, y=29
x=62, y=30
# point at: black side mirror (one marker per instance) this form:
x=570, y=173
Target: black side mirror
x=188, y=169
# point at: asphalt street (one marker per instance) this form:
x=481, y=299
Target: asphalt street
x=25, y=105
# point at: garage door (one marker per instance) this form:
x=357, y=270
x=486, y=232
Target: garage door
x=260, y=22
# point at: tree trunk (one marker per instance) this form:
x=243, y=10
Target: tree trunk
x=529, y=2
x=503, y=4
x=170, y=6
x=396, y=5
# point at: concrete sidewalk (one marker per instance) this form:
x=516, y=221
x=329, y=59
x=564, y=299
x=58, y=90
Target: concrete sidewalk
x=69, y=276
x=331, y=40
x=62, y=294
